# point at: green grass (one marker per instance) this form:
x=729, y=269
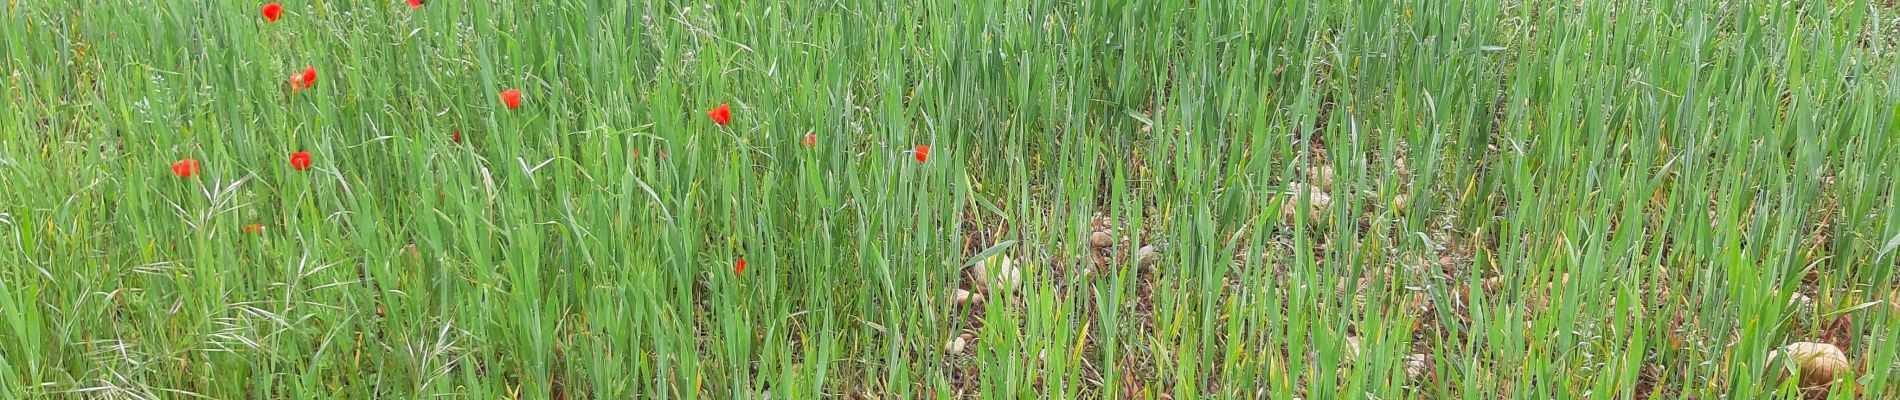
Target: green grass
x=1685, y=164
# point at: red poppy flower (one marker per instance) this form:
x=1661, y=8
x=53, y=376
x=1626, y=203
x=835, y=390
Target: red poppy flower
x=305, y=80
x=923, y=152
x=811, y=139
x=721, y=115
x=272, y=11
x=740, y=269
x=185, y=168
x=415, y=3
x=300, y=160
x=511, y=98
x=254, y=228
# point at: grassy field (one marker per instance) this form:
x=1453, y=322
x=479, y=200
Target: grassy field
x=935, y=199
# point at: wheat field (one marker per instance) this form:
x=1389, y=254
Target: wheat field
x=936, y=199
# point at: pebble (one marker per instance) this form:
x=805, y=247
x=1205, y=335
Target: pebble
x=1415, y=365
x=1147, y=256
x=1819, y=363
x=956, y=345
